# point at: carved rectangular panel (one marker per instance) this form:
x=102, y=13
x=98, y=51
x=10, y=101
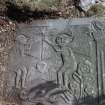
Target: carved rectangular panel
x=57, y=62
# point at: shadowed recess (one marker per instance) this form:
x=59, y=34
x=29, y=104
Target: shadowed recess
x=24, y=13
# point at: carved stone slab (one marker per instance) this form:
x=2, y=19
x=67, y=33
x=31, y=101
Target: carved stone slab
x=57, y=62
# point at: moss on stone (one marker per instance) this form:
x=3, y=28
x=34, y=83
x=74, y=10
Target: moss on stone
x=97, y=9
x=39, y=5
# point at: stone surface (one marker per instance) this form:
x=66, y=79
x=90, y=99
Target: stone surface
x=57, y=62
x=7, y=37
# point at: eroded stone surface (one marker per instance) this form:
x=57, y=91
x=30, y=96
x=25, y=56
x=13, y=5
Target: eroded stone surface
x=59, y=62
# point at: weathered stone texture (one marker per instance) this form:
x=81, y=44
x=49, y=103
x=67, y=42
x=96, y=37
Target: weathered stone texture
x=57, y=62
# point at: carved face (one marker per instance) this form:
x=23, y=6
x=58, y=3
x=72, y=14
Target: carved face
x=63, y=39
x=22, y=39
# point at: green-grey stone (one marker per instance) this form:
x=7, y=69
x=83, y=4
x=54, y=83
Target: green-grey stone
x=59, y=58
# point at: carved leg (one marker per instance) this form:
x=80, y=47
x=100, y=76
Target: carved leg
x=59, y=78
x=65, y=79
x=24, y=76
x=18, y=78
x=59, y=75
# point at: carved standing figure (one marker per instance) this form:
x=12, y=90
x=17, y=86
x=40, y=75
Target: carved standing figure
x=61, y=46
x=67, y=56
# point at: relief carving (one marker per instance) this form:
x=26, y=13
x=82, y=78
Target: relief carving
x=66, y=55
x=56, y=68
x=83, y=79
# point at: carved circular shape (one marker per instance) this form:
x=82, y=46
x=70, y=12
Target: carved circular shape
x=90, y=90
x=42, y=66
x=23, y=95
x=85, y=67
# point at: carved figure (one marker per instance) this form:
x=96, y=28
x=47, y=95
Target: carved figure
x=21, y=74
x=66, y=54
x=67, y=57
x=23, y=45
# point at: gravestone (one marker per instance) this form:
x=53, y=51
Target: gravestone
x=57, y=62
